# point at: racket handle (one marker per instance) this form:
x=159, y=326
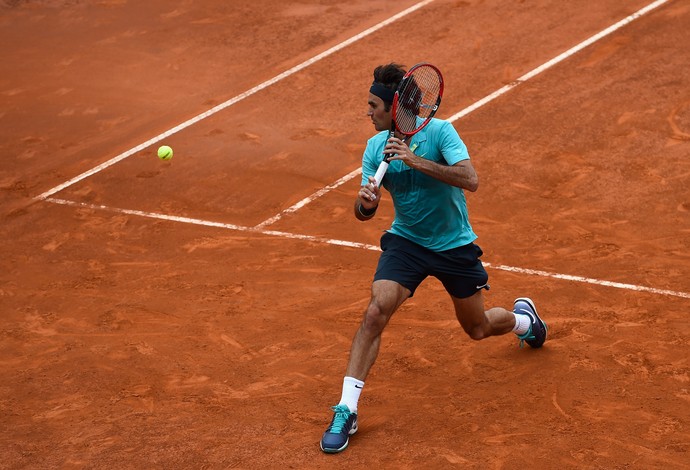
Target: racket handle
x=380, y=172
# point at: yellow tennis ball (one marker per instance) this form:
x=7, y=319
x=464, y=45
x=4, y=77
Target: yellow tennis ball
x=165, y=152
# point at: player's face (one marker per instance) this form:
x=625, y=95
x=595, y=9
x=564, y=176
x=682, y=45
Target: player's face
x=379, y=116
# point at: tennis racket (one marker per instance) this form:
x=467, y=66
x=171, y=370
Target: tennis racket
x=414, y=104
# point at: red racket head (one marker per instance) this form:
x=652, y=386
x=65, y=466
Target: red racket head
x=417, y=98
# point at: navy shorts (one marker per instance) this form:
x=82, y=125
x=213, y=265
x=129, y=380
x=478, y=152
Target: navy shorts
x=460, y=270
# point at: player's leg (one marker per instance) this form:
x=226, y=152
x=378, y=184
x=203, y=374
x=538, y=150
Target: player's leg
x=386, y=297
x=400, y=270
x=478, y=323
x=464, y=277
x=524, y=320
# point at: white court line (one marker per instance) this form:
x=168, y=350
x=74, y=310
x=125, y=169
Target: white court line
x=309, y=199
x=259, y=228
x=208, y=223
x=365, y=246
x=568, y=277
x=487, y=99
x=231, y=101
x=559, y=58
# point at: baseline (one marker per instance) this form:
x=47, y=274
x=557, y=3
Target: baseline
x=365, y=246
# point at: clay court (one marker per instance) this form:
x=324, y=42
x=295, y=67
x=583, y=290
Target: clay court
x=198, y=313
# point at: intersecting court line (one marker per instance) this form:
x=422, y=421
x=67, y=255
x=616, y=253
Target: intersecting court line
x=501, y=91
x=231, y=101
x=365, y=246
x=259, y=228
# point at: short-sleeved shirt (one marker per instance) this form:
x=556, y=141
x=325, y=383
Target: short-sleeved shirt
x=428, y=212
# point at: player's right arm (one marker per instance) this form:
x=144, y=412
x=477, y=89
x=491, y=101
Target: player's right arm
x=367, y=200
x=369, y=193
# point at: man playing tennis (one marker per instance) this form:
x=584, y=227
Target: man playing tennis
x=430, y=236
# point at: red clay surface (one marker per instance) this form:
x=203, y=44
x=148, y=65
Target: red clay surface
x=131, y=342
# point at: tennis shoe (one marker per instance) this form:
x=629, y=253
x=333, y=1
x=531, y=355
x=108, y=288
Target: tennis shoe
x=536, y=335
x=337, y=436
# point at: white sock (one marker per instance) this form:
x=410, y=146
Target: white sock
x=522, y=324
x=352, y=388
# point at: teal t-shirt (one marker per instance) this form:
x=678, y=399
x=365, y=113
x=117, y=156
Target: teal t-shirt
x=427, y=211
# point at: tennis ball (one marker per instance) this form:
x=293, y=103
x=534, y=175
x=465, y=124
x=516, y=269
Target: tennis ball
x=165, y=152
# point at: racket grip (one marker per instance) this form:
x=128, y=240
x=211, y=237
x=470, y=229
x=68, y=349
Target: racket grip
x=380, y=172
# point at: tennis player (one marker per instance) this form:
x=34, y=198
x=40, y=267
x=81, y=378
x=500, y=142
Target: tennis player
x=430, y=236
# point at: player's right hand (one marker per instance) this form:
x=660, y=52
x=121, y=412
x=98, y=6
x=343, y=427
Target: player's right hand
x=370, y=194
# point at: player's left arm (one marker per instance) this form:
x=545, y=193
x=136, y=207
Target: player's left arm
x=461, y=174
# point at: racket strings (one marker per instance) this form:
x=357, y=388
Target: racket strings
x=417, y=98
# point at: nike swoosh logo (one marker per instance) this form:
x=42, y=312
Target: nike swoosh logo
x=357, y=386
x=483, y=285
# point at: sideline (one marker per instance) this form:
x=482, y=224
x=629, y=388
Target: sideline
x=230, y=102
x=487, y=99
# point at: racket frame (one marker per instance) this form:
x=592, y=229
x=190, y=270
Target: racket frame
x=383, y=167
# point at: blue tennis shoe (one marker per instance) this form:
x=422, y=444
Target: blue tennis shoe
x=536, y=335
x=337, y=436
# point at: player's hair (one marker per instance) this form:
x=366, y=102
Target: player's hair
x=389, y=76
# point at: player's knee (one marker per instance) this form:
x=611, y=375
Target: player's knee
x=476, y=332
x=374, y=320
